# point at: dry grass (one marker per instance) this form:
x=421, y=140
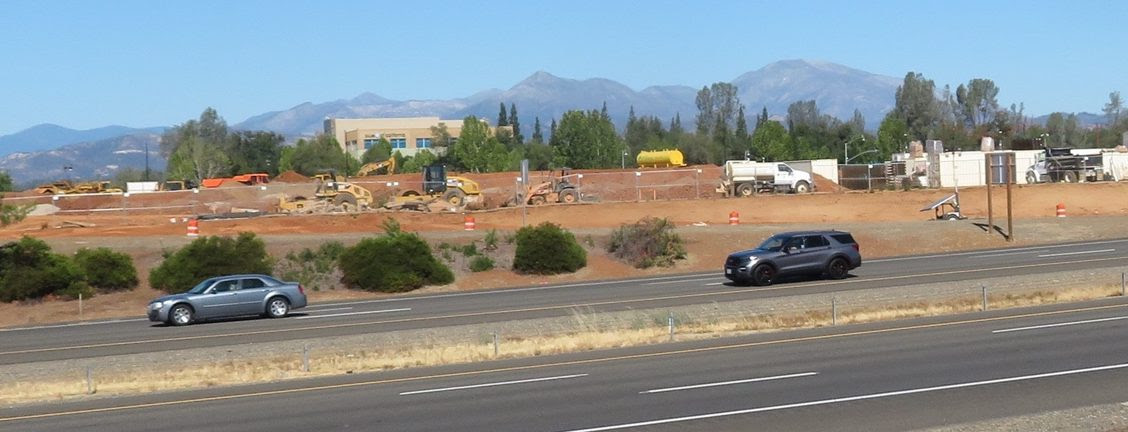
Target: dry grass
x=589, y=332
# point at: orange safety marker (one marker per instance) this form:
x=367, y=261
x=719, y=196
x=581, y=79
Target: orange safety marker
x=734, y=218
x=1060, y=210
x=193, y=227
x=468, y=223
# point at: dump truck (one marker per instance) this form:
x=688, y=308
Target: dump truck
x=66, y=187
x=247, y=179
x=1067, y=165
x=747, y=178
x=437, y=186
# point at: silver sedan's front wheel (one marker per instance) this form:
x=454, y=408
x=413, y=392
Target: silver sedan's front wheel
x=277, y=307
x=180, y=314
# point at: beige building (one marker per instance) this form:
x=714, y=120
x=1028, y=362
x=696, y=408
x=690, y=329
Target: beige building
x=407, y=135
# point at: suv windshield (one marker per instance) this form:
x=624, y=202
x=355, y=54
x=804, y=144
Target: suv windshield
x=774, y=243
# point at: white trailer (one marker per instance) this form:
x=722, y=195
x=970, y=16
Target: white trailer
x=746, y=178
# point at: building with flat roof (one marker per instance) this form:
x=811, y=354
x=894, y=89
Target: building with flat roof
x=407, y=135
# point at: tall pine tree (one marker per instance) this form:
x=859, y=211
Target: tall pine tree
x=538, y=136
x=502, y=118
x=517, y=137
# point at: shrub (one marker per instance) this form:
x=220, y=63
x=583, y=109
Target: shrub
x=106, y=270
x=210, y=256
x=547, y=249
x=10, y=214
x=392, y=263
x=481, y=263
x=490, y=242
x=29, y=270
x=647, y=243
x=312, y=268
x=470, y=250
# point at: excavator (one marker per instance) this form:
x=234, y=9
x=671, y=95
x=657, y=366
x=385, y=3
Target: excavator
x=371, y=167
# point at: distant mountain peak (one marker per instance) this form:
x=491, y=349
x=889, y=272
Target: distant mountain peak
x=540, y=77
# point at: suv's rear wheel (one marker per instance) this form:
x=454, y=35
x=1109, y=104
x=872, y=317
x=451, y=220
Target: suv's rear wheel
x=763, y=274
x=837, y=269
x=277, y=307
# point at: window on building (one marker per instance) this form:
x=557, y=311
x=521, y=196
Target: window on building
x=369, y=142
x=398, y=143
x=422, y=143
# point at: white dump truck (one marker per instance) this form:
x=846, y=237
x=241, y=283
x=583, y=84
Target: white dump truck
x=746, y=178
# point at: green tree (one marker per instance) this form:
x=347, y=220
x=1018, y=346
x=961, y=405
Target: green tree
x=1064, y=130
x=743, y=139
x=539, y=154
x=382, y=150
x=416, y=163
x=197, y=148
x=717, y=105
x=587, y=140
x=502, y=116
x=513, y=121
x=319, y=154
x=477, y=149
x=1111, y=109
x=917, y=106
x=5, y=182
x=771, y=142
x=538, y=136
x=892, y=136
x=441, y=140
x=255, y=152
x=978, y=101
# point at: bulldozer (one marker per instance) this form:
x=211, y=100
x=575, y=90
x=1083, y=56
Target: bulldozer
x=371, y=167
x=438, y=187
x=66, y=187
x=557, y=190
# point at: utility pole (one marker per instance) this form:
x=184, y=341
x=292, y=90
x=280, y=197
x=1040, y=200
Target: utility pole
x=146, y=160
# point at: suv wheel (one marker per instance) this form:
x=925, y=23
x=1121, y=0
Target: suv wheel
x=180, y=315
x=837, y=269
x=763, y=274
x=277, y=307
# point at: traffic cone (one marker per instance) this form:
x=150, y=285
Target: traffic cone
x=468, y=223
x=193, y=227
x=1061, y=210
x=734, y=218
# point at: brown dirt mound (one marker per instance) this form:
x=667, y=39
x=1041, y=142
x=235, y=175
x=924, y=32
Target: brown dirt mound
x=823, y=184
x=291, y=177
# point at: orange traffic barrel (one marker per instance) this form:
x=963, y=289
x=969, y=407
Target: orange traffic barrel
x=1060, y=210
x=468, y=223
x=734, y=218
x=193, y=227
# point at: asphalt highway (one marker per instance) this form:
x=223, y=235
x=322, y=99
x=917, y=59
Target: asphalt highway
x=93, y=339
x=888, y=376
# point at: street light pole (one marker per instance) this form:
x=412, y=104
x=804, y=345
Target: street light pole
x=846, y=148
x=623, y=160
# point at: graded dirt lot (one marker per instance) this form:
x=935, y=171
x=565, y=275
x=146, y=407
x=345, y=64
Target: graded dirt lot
x=885, y=223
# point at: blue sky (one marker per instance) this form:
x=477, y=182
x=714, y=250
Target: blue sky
x=86, y=64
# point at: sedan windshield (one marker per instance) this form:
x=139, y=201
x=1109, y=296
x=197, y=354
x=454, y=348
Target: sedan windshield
x=201, y=287
x=774, y=244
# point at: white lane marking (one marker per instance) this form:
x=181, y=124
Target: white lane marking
x=680, y=281
x=1076, y=253
x=718, y=384
x=330, y=309
x=1009, y=253
x=492, y=384
x=1059, y=324
x=353, y=313
x=515, y=290
x=714, y=283
x=994, y=251
x=72, y=325
x=852, y=398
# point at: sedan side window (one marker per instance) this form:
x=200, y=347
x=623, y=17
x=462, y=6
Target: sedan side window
x=253, y=283
x=227, y=285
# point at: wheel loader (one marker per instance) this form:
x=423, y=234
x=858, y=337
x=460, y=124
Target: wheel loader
x=558, y=190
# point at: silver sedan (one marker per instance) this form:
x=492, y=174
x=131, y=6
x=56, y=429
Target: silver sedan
x=229, y=296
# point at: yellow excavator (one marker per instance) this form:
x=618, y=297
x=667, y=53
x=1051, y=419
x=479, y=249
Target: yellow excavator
x=371, y=167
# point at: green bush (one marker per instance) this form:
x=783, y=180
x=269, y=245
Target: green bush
x=490, y=241
x=106, y=270
x=548, y=249
x=310, y=267
x=29, y=270
x=392, y=263
x=10, y=214
x=481, y=263
x=210, y=256
x=647, y=243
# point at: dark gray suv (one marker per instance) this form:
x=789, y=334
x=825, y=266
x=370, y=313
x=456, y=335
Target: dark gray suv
x=829, y=253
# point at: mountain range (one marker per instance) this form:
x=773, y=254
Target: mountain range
x=39, y=153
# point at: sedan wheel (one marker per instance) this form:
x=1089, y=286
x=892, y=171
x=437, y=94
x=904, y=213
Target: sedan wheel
x=763, y=274
x=180, y=314
x=277, y=307
x=837, y=269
